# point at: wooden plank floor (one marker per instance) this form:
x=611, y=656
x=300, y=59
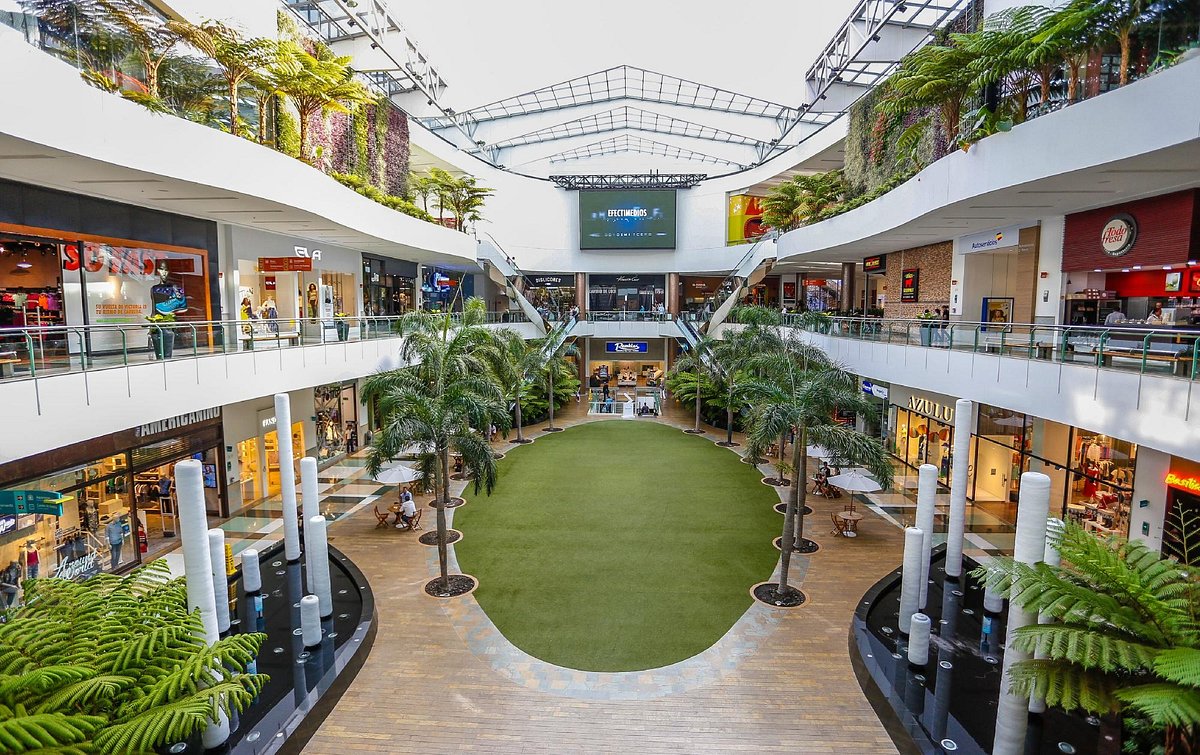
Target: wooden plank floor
x=423, y=690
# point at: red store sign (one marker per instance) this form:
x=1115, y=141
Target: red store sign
x=1162, y=230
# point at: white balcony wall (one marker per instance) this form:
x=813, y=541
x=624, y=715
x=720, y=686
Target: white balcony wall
x=69, y=408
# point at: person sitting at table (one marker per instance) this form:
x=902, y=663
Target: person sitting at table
x=406, y=494
x=408, y=512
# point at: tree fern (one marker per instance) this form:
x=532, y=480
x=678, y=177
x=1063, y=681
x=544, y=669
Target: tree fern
x=113, y=665
x=1124, y=636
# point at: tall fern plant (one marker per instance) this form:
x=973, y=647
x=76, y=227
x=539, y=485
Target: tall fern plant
x=1125, y=636
x=115, y=665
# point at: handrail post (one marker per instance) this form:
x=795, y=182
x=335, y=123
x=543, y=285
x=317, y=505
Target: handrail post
x=950, y=337
x=975, y=340
x=29, y=351
x=1032, y=331
x=1100, y=349
x=1145, y=348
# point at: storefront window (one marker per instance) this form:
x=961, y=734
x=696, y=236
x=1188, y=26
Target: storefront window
x=821, y=295
x=1102, y=470
x=918, y=440
x=337, y=418
x=389, y=286
x=626, y=293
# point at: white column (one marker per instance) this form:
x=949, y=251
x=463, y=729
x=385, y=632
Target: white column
x=918, y=639
x=197, y=567
x=310, y=504
x=317, y=559
x=1012, y=714
x=220, y=582
x=927, y=478
x=910, y=587
x=310, y=621
x=1052, y=557
x=963, y=411
x=287, y=476
x=251, y=575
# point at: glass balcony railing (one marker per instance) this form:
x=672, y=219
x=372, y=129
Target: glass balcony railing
x=1146, y=349
x=31, y=353
x=623, y=315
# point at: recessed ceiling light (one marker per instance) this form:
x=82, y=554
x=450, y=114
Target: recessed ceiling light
x=1137, y=267
x=1166, y=267
x=1124, y=269
x=24, y=264
x=1192, y=263
x=1097, y=270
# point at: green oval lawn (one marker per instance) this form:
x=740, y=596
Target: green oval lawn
x=618, y=545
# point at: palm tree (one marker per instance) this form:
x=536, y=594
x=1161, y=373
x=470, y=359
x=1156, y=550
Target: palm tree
x=1071, y=33
x=801, y=392
x=461, y=195
x=152, y=39
x=188, y=88
x=694, y=362
x=937, y=76
x=1004, y=53
x=437, y=402
x=513, y=359
x=239, y=58
x=423, y=186
x=554, y=359
x=316, y=83
x=800, y=200
x=1124, y=634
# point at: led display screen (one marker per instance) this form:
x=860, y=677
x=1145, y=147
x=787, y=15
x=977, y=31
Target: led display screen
x=627, y=219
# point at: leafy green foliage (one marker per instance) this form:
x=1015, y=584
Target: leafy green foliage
x=800, y=200
x=1125, y=635
x=399, y=204
x=115, y=665
x=535, y=398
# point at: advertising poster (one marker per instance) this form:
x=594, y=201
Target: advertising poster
x=910, y=285
x=744, y=219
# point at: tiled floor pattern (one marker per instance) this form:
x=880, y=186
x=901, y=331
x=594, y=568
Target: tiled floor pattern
x=441, y=678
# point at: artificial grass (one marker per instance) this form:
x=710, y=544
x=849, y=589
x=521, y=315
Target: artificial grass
x=618, y=546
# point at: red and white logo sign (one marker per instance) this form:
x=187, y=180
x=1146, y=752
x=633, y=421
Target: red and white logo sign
x=1118, y=235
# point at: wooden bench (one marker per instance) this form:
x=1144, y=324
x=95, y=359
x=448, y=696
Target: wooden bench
x=1179, y=361
x=292, y=337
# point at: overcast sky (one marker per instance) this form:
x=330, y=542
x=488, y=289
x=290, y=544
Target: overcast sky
x=490, y=50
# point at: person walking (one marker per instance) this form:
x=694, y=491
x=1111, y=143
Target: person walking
x=115, y=534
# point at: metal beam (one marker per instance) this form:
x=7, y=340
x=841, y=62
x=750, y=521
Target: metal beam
x=630, y=181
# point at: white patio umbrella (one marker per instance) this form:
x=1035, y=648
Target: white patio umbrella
x=854, y=481
x=397, y=475
x=818, y=452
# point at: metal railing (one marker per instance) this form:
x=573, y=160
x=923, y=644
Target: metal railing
x=35, y=352
x=625, y=315
x=1144, y=349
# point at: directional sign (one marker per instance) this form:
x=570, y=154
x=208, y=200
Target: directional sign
x=21, y=502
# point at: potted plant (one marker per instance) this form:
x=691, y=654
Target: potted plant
x=343, y=327
x=162, y=339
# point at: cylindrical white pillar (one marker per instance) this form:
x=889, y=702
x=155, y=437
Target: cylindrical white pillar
x=1012, y=714
x=910, y=580
x=310, y=621
x=993, y=602
x=220, y=582
x=197, y=568
x=1052, y=557
x=927, y=478
x=310, y=504
x=287, y=476
x=918, y=639
x=317, y=559
x=251, y=574
x=193, y=531
x=957, y=525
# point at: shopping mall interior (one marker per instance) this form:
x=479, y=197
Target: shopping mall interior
x=544, y=382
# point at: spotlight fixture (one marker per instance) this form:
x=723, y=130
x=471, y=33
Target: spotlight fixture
x=1124, y=269
x=901, y=8
x=1193, y=263
x=1137, y=267
x=1166, y=267
x=1097, y=270
x=875, y=37
x=374, y=45
x=24, y=263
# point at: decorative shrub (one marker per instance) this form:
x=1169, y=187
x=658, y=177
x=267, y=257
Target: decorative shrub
x=399, y=204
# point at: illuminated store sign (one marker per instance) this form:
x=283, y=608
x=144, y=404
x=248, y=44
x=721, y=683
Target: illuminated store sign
x=1186, y=483
x=931, y=408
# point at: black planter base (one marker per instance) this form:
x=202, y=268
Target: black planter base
x=770, y=594
x=810, y=546
x=430, y=538
x=459, y=584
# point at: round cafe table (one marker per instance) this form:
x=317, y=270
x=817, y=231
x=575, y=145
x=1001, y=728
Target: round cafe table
x=846, y=523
